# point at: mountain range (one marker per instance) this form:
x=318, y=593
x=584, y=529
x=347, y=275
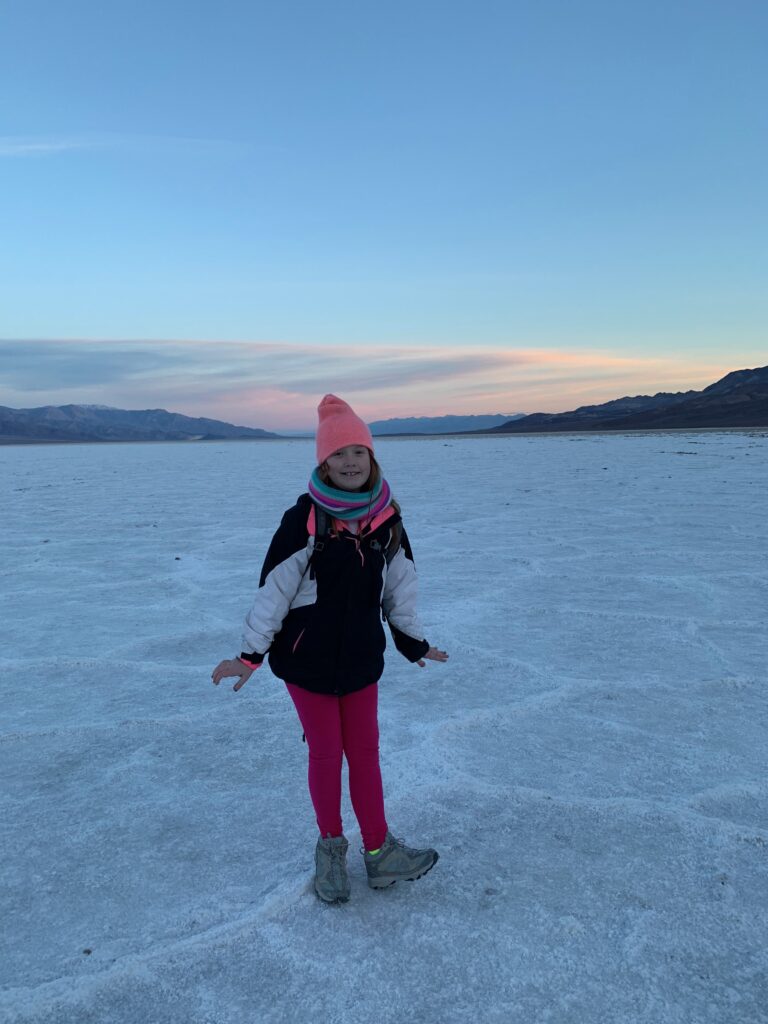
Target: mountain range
x=740, y=399
x=102, y=423
x=439, y=424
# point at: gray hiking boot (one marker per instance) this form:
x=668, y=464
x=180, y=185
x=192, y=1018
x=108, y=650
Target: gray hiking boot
x=331, y=879
x=396, y=862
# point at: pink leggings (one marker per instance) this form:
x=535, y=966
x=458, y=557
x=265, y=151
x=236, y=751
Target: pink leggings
x=344, y=725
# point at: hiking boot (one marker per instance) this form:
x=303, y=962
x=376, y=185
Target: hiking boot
x=331, y=879
x=396, y=862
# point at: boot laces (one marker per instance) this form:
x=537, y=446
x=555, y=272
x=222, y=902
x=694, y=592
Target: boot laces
x=394, y=841
x=399, y=841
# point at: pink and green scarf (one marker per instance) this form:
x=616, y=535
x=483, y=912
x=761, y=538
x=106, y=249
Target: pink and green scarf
x=348, y=505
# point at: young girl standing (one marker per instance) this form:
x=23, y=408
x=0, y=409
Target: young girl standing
x=339, y=563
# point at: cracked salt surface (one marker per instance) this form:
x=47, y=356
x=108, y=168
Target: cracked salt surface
x=590, y=763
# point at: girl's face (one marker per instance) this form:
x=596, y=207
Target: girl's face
x=350, y=467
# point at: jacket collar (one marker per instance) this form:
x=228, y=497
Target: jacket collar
x=374, y=524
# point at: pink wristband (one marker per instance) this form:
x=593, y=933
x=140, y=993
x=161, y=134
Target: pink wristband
x=249, y=664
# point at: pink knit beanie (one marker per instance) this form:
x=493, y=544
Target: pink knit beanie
x=339, y=426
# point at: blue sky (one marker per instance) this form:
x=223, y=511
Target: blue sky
x=545, y=204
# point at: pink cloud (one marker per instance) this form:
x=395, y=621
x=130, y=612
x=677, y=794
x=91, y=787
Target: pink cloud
x=277, y=386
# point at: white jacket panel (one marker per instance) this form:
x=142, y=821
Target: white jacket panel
x=287, y=586
x=399, y=596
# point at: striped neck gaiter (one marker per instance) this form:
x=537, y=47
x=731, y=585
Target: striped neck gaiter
x=348, y=505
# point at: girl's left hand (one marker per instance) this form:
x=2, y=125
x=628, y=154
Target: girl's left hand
x=233, y=667
x=434, y=655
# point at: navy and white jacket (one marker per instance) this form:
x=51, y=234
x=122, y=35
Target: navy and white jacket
x=319, y=612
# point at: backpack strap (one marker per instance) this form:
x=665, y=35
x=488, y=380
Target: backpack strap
x=322, y=526
x=393, y=544
x=319, y=523
x=318, y=526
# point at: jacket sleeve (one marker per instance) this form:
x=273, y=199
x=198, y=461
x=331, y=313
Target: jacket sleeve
x=281, y=575
x=399, y=603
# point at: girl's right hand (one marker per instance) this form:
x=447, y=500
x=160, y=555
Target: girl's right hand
x=233, y=667
x=434, y=655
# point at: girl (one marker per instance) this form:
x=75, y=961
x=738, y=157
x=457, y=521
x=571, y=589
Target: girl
x=339, y=563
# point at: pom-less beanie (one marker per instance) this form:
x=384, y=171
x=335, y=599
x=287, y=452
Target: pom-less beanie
x=338, y=427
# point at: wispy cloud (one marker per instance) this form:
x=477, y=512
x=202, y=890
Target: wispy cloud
x=277, y=385
x=42, y=146
x=16, y=146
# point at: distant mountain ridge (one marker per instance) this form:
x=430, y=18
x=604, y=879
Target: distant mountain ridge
x=104, y=423
x=740, y=399
x=439, y=424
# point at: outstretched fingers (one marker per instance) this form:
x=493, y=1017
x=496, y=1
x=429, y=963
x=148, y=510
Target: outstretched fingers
x=434, y=655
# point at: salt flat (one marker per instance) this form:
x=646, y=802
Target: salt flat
x=590, y=763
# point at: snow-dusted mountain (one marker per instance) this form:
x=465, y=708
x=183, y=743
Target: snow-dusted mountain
x=103, y=423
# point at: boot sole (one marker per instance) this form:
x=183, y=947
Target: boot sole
x=384, y=883
x=337, y=899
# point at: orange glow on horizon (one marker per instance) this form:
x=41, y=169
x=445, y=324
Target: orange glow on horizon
x=277, y=386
